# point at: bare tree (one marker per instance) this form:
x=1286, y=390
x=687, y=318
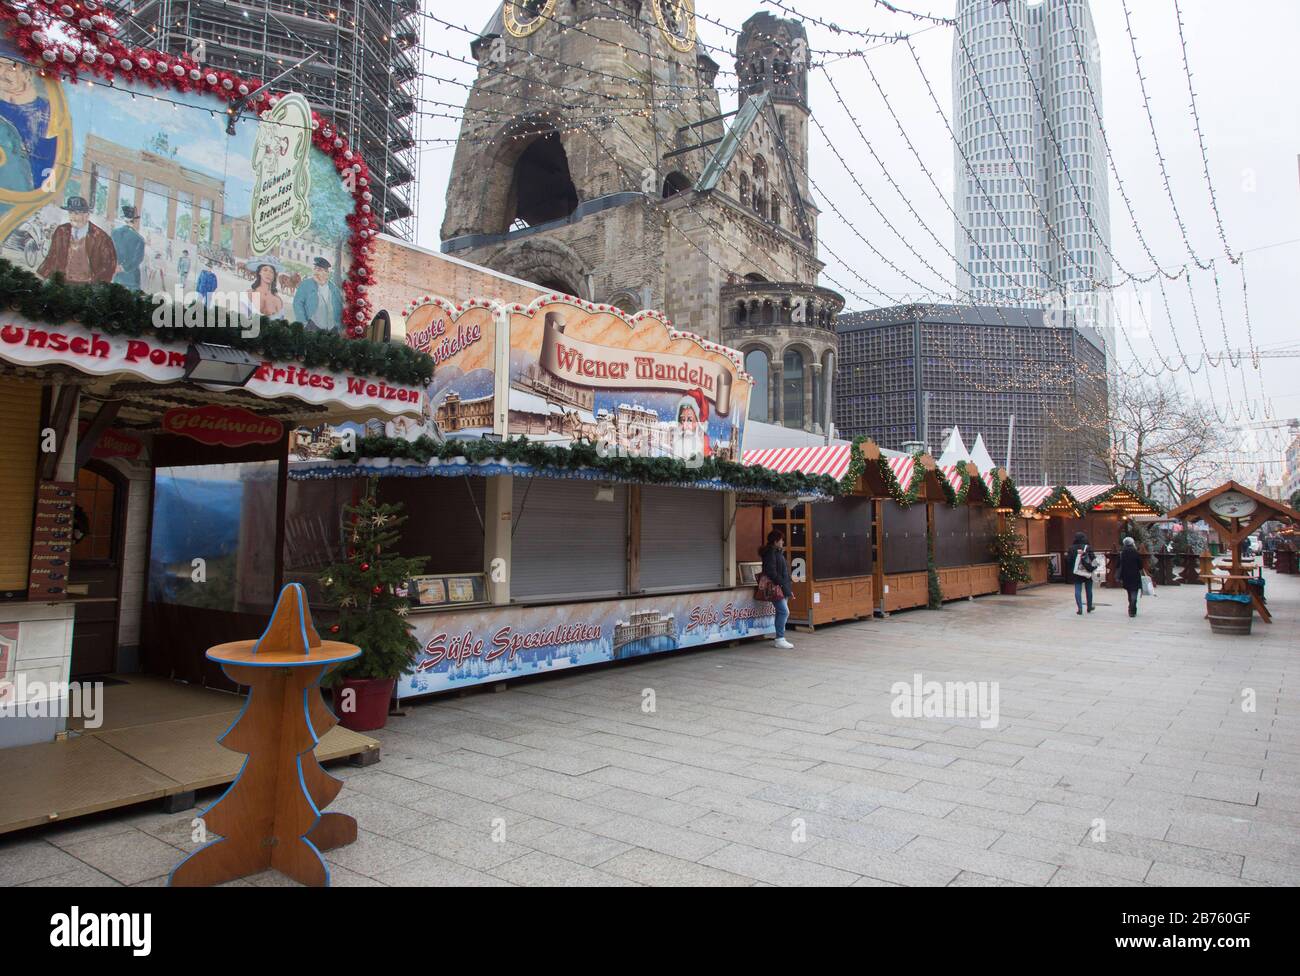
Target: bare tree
x=1165, y=438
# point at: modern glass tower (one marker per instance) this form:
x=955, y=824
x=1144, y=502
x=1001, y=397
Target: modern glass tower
x=1031, y=183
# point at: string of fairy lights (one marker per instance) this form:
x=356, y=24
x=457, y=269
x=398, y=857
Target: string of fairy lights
x=594, y=109
x=873, y=288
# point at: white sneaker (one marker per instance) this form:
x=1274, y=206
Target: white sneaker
x=784, y=644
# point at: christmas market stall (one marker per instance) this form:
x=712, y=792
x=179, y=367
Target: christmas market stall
x=1234, y=586
x=167, y=318
x=869, y=549
x=1104, y=513
x=1038, y=506
x=572, y=497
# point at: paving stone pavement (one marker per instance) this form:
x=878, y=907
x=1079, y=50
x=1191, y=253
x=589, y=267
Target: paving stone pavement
x=1122, y=755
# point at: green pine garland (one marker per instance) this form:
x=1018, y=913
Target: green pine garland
x=368, y=618
x=1109, y=493
x=934, y=592
x=582, y=454
x=117, y=310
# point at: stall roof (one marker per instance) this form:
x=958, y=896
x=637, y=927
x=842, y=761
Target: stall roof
x=1075, y=499
x=463, y=467
x=906, y=471
x=833, y=460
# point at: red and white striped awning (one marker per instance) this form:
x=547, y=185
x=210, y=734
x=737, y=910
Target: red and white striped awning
x=1035, y=496
x=903, y=468
x=833, y=460
x=1086, y=493
x=953, y=475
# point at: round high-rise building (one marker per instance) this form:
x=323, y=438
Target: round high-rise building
x=1030, y=167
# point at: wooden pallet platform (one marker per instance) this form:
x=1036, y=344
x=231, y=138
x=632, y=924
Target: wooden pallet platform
x=158, y=739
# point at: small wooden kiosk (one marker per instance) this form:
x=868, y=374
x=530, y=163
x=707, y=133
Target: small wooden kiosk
x=1039, y=505
x=1234, y=512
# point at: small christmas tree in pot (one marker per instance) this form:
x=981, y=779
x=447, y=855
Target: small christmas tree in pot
x=363, y=589
x=1013, y=567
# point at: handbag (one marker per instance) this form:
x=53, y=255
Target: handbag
x=765, y=591
x=1085, y=563
x=1148, y=586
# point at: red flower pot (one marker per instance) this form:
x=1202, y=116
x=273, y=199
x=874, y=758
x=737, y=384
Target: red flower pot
x=362, y=703
x=1008, y=587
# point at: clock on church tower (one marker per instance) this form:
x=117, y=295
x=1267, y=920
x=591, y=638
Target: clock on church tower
x=524, y=17
x=676, y=19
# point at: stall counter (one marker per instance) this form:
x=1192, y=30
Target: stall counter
x=475, y=645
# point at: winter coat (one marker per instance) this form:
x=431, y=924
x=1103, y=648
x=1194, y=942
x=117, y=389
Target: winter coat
x=1130, y=568
x=776, y=568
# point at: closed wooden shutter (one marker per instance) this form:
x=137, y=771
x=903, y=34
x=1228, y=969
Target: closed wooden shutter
x=905, y=549
x=681, y=538
x=565, y=543
x=20, y=417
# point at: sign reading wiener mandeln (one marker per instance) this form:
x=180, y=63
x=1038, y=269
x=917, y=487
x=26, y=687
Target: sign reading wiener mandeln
x=30, y=344
x=631, y=383
x=222, y=426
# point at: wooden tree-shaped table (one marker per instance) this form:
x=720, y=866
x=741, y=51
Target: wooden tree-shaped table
x=270, y=817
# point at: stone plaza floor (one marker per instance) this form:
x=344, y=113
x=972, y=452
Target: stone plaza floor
x=1122, y=755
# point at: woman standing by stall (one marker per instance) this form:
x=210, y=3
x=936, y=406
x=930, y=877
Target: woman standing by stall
x=777, y=572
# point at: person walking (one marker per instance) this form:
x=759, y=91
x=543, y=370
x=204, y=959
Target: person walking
x=776, y=569
x=1130, y=573
x=1083, y=564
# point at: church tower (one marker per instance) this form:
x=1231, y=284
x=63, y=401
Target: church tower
x=773, y=57
x=596, y=160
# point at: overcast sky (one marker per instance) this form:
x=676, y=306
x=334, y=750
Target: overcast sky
x=1246, y=75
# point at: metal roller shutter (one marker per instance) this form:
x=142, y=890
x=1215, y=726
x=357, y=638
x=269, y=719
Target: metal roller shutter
x=20, y=415
x=681, y=538
x=565, y=543
x=447, y=527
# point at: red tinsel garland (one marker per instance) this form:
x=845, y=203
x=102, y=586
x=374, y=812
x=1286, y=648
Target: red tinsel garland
x=93, y=49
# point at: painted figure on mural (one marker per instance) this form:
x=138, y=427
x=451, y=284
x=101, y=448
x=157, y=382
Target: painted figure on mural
x=319, y=302
x=264, y=297
x=79, y=250
x=25, y=114
x=130, y=246
x=693, y=426
x=207, y=283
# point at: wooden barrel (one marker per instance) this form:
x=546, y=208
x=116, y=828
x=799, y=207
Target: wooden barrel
x=1229, y=616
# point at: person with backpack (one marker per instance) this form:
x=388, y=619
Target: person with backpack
x=1083, y=565
x=777, y=572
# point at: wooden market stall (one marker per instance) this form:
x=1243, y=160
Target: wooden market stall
x=866, y=550
x=830, y=546
x=1098, y=511
x=1039, y=505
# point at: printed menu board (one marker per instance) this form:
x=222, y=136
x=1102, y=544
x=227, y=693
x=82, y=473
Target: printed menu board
x=52, y=540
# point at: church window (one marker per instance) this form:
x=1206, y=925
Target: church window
x=676, y=183
x=543, y=188
x=792, y=388
x=757, y=366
